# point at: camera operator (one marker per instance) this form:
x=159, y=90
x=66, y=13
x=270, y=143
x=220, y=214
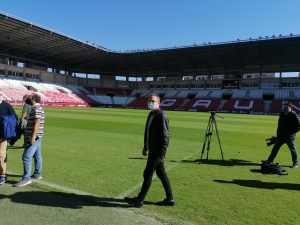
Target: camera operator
x=288, y=126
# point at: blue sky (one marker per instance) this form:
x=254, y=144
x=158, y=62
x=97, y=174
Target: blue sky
x=140, y=24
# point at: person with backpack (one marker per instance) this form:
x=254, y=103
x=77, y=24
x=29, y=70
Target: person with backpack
x=5, y=109
x=288, y=126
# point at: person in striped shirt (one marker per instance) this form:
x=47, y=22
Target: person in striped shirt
x=33, y=138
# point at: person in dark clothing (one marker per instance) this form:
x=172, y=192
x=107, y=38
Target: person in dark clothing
x=156, y=142
x=24, y=117
x=288, y=126
x=5, y=109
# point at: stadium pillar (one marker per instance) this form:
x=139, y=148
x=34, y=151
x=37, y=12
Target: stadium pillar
x=280, y=79
x=5, y=60
x=24, y=72
x=29, y=64
x=15, y=62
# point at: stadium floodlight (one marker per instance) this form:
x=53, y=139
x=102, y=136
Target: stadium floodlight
x=238, y=39
x=259, y=37
x=291, y=34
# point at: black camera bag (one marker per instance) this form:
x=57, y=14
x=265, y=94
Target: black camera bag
x=272, y=168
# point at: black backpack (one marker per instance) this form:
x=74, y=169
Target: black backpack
x=272, y=168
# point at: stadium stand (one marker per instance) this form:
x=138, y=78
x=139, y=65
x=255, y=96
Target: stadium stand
x=204, y=105
x=171, y=103
x=246, y=105
x=258, y=94
x=238, y=94
x=202, y=94
x=138, y=103
x=103, y=99
x=171, y=93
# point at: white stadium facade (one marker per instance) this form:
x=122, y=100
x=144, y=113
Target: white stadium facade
x=242, y=76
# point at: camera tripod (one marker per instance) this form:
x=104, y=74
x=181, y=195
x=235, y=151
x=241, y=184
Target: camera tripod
x=209, y=131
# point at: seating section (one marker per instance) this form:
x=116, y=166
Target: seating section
x=15, y=94
x=138, y=103
x=103, y=99
x=171, y=103
x=245, y=105
x=205, y=105
x=238, y=94
x=104, y=91
x=256, y=94
x=202, y=93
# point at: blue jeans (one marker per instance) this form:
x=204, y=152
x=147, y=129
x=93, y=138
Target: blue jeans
x=32, y=151
x=290, y=143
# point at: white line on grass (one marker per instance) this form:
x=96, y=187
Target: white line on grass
x=63, y=188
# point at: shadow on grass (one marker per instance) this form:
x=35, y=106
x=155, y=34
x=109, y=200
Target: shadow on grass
x=262, y=185
x=230, y=162
x=63, y=200
x=15, y=148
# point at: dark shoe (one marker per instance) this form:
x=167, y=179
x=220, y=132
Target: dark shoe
x=134, y=202
x=166, y=202
x=36, y=177
x=2, y=180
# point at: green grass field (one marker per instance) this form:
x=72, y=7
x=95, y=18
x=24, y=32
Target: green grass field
x=98, y=151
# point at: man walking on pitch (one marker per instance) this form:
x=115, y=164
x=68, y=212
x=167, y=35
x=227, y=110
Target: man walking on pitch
x=33, y=138
x=156, y=142
x=288, y=126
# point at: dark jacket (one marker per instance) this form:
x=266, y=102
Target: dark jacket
x=158, y=134
x=288, y=125
x=6, y=109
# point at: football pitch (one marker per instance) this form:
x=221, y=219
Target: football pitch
x=94, y=155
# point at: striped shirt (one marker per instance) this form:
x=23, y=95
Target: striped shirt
x=36, y=113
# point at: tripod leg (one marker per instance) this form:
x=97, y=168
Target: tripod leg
x=215, y=122
x=209, y=138
x=206, y=137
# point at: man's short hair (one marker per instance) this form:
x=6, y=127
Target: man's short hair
x=36, y=98
x=288, y=104
x=25, y=96
x=157, y=97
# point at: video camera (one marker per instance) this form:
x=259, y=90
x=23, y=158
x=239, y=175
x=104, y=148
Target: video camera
x=271, y=140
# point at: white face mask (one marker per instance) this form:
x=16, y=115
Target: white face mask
x=151, y=105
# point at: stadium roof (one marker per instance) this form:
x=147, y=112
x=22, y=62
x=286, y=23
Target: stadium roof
x=25, y=41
